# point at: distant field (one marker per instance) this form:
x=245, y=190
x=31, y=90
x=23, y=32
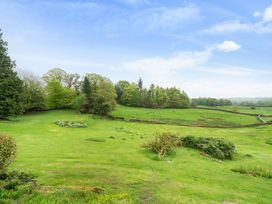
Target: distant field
x=243, y=109
x=193, y=117
x=108, y=155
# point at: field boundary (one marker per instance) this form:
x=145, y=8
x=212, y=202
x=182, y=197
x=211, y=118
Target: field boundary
x=234, y=112
x=154, y=122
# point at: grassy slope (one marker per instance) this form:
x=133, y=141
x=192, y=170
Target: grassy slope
x=244, y=109
x=61, y=156
x=185, y=116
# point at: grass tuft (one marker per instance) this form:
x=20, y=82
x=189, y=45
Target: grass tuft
x=254, y=171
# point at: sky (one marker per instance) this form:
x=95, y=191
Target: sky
x=212, y=48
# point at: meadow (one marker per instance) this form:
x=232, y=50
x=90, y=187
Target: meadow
x=108, y=155
x=189, y=117
x=246, y=109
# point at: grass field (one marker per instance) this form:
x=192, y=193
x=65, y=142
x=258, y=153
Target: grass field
x=108, y=155
x=191, y=117
x=245, y=109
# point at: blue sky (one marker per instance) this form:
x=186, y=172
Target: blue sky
x=208, y=48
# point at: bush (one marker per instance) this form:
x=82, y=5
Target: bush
x=14, y=185
x=71, y=124
x=163, y=143
x=7, y=151
x=217, y=148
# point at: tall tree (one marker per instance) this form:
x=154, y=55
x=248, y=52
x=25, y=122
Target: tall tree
x=33, y=95
x=140, y=86
x=103, y=94
x=10, y=84
x=87, y=91
x=59, y=96
x=64, y=78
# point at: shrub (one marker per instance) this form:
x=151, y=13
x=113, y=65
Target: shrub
x=163, y=143
x=15, y=184
x=217, y=148
x=71, y=124
x=7, y=151
x=254, y=171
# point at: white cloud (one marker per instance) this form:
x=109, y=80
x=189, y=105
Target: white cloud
x=228, y=46
x=229, y=27
x=233, y=71
x=256, y=14
x=178, y=61
x=159, y=18
x=267, y=15
x=211, y=87
x=263, y=26
x=162, y=70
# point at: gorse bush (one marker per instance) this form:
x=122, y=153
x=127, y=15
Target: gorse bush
x=7, y=151
x=217, y=148
x=163, y=143
x=71, y=124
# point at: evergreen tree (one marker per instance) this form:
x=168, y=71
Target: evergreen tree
x=140, y=86
x=10, y=84
x=86, y=90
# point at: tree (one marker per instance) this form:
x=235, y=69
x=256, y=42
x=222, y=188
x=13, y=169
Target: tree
x=140, y=86
x=33, y=95
x=10, y=84
x=120, y=89
x=177, y=99
x=86, y=90
x=79, y=103
x=103, y=94
x=59, y=96
x=131, y=95
x=64, y=78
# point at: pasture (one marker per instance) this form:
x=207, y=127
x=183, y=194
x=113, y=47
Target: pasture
x=189, y=117
x=108, y=155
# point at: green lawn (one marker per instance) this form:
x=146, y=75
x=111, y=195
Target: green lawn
x=73, y=158
x=191, y=117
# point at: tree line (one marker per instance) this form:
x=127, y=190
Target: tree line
x=211, y=102
x=92, y=93
x=132, y=94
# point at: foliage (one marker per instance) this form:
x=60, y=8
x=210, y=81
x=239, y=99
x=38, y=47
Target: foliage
x=59, y=96
x=10, y=85
x=163, y=143
x=71, y=124
x=79, y=103
x=132, y=94
x=65, y=79
x=15, y=185
x=211, y=102
x=87, y=92
x=103, y=94
x=254, y=171
x=33, y=94
x=7, y=151
x=217, y=148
